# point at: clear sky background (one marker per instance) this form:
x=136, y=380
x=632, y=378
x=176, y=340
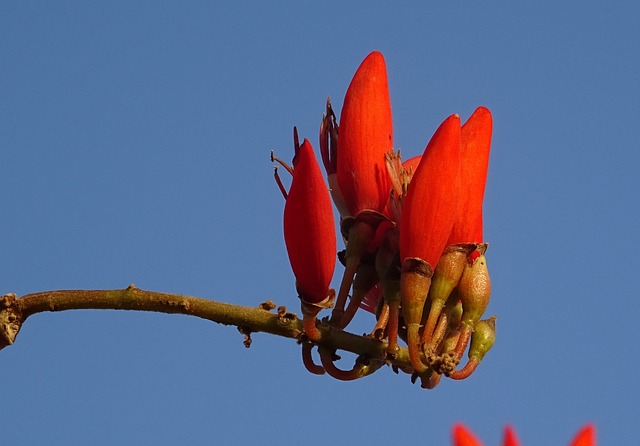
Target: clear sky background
x=134, y=148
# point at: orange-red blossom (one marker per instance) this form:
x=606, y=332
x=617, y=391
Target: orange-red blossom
x=457, y=269
x=365, y=135
x=464, y=437
x=428, y=213
x=414, y=227
x=309, y=232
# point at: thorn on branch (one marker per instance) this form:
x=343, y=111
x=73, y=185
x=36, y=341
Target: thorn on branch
x=247, y=336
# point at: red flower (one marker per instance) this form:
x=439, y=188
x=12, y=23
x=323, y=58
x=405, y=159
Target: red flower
x=510, y=438
x=465, y=240
x=428, y=210
x=585, y=436
x=464, y=437
x=428, y=213
x=365, y=136
x=475, y=143
x=309, y=228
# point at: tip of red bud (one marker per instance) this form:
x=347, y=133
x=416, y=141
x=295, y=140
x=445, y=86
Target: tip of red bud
x=473, y=257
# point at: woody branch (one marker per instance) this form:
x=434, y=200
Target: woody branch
x=14, y=311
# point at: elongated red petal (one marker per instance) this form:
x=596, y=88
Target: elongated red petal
x=510, y=437
x=412, y=163
x=463, y=436
x=366, y=134
x=585, y=437
x=309, y=229
x=475, y=144
x=429, y=208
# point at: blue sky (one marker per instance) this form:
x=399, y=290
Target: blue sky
x=134, y=148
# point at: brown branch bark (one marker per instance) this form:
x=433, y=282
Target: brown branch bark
x=14, y=311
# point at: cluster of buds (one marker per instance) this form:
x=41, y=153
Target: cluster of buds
x=415, y=253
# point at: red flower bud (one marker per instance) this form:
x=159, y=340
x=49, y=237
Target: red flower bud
x=463, y=436
x=366, y=135
x=428, y=212
x=429, y=208
x=585, y=437
x=465, y=240
x=475, y=143
x=309, y=228
x=510, y=437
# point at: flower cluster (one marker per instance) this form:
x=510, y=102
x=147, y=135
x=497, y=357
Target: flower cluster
x=415, y=252
x=464, y=437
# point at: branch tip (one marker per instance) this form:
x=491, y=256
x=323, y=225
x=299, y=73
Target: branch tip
x=10, y=320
